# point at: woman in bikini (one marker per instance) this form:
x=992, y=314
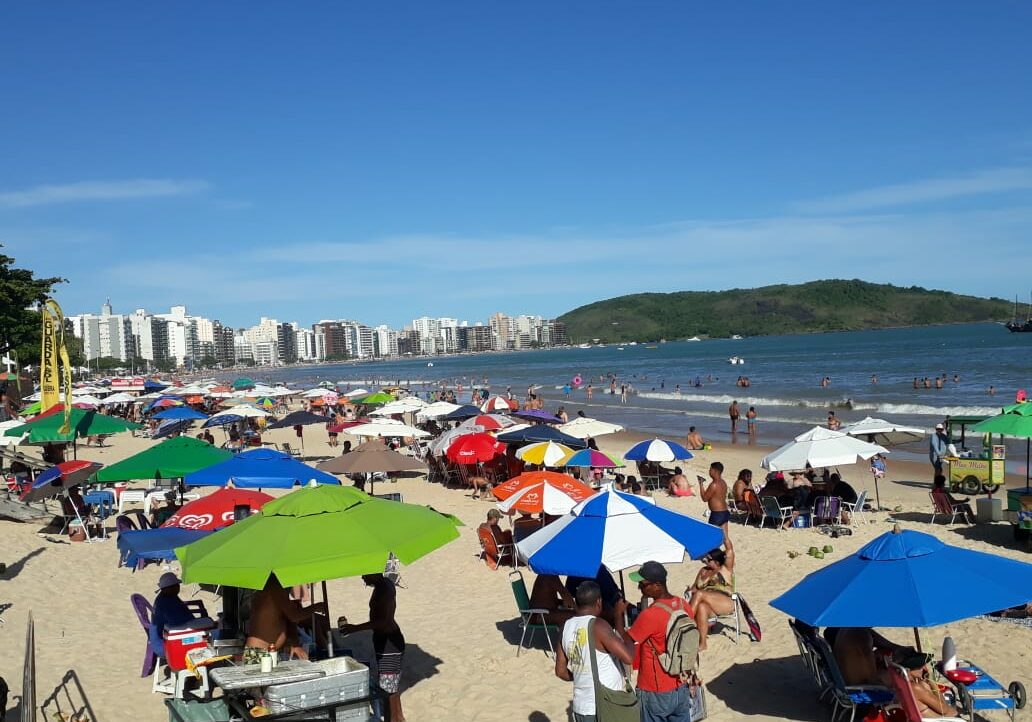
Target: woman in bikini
x=711, y=591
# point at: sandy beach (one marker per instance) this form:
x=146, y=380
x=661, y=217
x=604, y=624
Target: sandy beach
x=459, y=617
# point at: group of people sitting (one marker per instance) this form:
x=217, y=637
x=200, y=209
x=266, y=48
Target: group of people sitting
x=795, y=491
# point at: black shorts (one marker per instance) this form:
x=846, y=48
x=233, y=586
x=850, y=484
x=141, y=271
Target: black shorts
x=719, y=518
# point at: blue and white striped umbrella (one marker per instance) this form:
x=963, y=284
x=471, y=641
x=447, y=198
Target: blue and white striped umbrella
x=657, y=450
x=617, y=531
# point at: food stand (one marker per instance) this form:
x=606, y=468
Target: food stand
x=973, y=474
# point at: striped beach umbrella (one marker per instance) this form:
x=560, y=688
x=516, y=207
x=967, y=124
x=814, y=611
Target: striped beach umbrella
x=657, y=450
x=544, y=453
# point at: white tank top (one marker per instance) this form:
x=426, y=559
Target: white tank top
x=610, y=671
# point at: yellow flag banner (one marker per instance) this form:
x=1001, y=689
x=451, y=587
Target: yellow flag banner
x=54, y=349
x=49, y=381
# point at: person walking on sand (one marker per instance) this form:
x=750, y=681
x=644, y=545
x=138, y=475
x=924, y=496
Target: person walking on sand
x=732, y=411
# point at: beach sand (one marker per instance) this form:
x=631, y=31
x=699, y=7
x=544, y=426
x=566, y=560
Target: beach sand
x=459, y=617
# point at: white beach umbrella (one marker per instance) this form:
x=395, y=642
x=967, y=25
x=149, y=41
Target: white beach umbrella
x=881, y=431
x=282, y=391
x=442, y=442
x=86, y=400
x=583, y=428
x=119, y=398
x=244, y=411
x=820, y=447
x=384, y=428
x=192, y=390
x=317, y=393
x=356, y=392
x=84, y=390
x=436, y=410
x=401, y=406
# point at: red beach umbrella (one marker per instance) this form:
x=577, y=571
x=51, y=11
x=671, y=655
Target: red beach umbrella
x=345, y=425
x=216, y=510
x=474, y=448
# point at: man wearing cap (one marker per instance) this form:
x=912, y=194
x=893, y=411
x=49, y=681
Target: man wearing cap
x=502, y=536
x=664, y=698
x=937, y=448
x=169, y=610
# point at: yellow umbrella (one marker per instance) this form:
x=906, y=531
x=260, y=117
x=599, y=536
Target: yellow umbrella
x=543, y=453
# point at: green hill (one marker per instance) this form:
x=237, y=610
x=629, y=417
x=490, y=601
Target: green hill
x=833, y=305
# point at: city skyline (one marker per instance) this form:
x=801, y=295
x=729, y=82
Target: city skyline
x=178, y=339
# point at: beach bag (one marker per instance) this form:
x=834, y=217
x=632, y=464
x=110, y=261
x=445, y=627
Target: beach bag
x=612, y=705
x=681, y=658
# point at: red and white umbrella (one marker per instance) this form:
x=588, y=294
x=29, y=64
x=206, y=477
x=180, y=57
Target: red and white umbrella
x=534, y=492
x=488, y=422
x=217, y=509
x=498, y=403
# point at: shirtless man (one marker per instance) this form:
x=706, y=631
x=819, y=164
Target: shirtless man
x=715, y=495
x=274, y=620
x=694, y=440
x=732, y=411
x=551, y=594
x=678, y=484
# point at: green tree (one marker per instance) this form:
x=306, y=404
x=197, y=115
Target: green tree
x=20, y=324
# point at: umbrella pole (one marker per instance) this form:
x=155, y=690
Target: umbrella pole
x=877, y=494
x=622, y=592
x=917, y=638
x=329, y=627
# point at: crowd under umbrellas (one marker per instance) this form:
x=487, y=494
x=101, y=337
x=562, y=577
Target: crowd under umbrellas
x=596, y=527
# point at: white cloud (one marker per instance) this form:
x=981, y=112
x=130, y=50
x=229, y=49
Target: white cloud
x=984, y=182
x=100, y=191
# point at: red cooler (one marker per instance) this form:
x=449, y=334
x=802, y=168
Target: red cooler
x=181, y=640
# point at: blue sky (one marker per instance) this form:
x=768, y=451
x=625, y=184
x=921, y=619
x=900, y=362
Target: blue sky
x=381, y=162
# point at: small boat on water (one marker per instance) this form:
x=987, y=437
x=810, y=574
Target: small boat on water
x=736, y=337
x=695, y=338
x=736, y=361
x=1016, y=326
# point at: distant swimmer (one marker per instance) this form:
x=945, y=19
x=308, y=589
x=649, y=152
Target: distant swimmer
x=991, y=391
x=833, y=423
x=874, y=379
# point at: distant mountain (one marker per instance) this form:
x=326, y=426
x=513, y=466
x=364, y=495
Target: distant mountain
x=833, y=305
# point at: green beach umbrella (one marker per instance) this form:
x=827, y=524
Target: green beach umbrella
x=83, y=422
x=315, y=534
x=380, y=397
x=243, y=383
x=171, y=459
x=1015, y=421
x=32, y=409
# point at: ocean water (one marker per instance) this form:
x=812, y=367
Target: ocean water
x=785, y=374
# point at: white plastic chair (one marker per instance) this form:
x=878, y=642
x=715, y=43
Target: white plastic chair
x=150, y=498
x=132, y=496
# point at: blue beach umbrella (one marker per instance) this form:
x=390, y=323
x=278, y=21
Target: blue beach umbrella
x=260, y=468
x=617, y=531
x=171, y=426
x=541, y=432
x=221, y=419
x=180, y=413
x=657, y=450
x=151, y=544
x=896, y=580
x=468, y=411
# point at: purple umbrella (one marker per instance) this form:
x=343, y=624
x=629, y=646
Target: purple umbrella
x=538, y=415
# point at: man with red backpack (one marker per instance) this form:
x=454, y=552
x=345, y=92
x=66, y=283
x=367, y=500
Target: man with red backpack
x=666, y=649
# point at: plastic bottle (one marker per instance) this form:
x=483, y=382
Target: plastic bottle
x=949, y=654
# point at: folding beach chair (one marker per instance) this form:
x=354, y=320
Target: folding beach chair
x=288, y=449
x=492, y=552
x=804, y=640
x=846, y=697
x=827, y=510
x=528, y=614
x=775, y=512
x=754, y=510
x=941, y=505
x=906, y=699
x=856, y=510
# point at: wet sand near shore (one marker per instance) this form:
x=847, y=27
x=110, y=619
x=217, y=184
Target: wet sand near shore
x=459, y=617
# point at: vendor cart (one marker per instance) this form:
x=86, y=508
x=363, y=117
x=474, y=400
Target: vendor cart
x=978, y=692
x=974, y=474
